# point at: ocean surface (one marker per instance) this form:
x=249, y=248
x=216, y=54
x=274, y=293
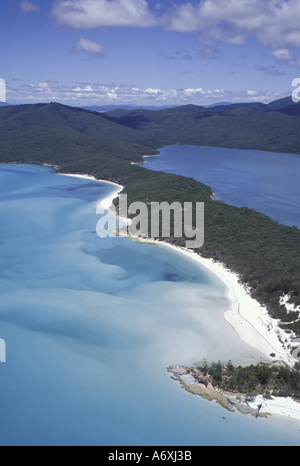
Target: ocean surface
x=265, y=181
x=91, y=326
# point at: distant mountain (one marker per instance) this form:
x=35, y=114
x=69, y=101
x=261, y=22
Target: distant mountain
x=131, y=133
x=244, y=126
x=108, y=108
x=254, y=105
x=266, y=255
x=218, y=104
x=281, y=104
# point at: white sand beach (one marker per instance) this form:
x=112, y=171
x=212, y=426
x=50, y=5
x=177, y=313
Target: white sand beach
x=77, y=175
x=278, y=406
x=107, y=202
x=255, y=326
x=272, y=406
x=250, y=320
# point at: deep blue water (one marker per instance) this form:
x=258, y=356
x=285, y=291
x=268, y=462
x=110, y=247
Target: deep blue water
x=91, y=326
x=265, y=181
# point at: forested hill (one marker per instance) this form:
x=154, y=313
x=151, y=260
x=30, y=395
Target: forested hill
x=266, y=255
x=273, y=127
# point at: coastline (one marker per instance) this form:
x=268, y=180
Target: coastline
x=107, y=201
x=191, y=380
x=249, y=319
x=145, y=157
x=247, y=316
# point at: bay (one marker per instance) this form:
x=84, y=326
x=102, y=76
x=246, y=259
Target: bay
x=91, y=326
x=265, y=181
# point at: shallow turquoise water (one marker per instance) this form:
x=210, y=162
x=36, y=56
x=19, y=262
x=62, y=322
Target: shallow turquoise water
x=91, y=326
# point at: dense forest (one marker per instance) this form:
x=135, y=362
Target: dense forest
x=265, y=254
x=251, y=380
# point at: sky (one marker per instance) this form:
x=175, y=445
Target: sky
x=148, y=52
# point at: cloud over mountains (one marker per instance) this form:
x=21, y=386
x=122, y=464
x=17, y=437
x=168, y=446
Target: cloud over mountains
x=170, y=51
x=104, y=93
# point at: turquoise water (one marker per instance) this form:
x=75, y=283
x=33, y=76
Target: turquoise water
x=91, y=325
x=265, y=181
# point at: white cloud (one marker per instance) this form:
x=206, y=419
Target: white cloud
x=86, y=93
x=272, y=22
x=89, y=14
x=285, y=57
x=153, y=91
x=28, y=7
x=251, y=93
x=193, y=92
x=2, y=90
x=92, y=48
x=83, y=89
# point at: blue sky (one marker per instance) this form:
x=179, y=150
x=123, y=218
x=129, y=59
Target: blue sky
x=148, y=52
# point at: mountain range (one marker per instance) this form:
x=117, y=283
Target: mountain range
x=266, y=255
x=271, y=127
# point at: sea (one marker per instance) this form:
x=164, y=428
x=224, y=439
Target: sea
x=91, y=326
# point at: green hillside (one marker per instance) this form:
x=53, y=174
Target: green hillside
x=265, y=254
x=28, y=128
x=241, y=128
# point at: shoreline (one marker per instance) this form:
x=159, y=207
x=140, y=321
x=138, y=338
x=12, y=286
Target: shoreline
x=107, y=201
x=258, y=406
x=249, y=319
